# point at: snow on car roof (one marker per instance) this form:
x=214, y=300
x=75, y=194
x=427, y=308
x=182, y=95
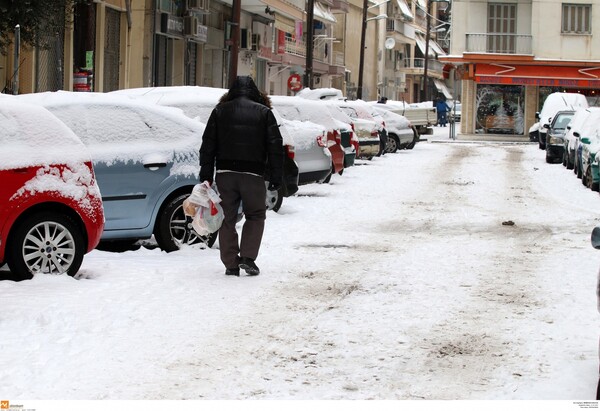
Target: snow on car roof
x=31, y=136
x=296, y=108
x=196, y=102
x=117, y=121
x=560, y=101
x=320, y=93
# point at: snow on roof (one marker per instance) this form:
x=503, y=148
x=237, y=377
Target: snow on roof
x=31, y=136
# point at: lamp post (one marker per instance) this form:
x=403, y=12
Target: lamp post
x=425, y=93
x=361, y=64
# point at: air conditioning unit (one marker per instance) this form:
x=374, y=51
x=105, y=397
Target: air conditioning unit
x=198, y=5
x=255, y=42
x=190, y=26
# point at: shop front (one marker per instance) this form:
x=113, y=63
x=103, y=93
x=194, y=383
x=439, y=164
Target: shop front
x=503, y=98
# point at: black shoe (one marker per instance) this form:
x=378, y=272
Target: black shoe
x=248, y=265
x=233, y=271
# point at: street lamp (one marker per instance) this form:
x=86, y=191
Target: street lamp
x=425, y=95
x=363, y=32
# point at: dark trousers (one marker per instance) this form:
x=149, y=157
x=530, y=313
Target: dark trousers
x=251, y=192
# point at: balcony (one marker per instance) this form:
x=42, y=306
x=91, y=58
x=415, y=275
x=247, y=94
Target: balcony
x=499, y=43
x=298, y=48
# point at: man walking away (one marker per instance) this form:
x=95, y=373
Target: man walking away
x=242, y=141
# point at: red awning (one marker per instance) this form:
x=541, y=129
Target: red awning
x=560, y=76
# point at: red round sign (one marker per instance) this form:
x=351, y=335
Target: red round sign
x=294, y=82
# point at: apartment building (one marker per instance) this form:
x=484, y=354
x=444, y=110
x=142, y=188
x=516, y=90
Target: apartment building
x=512, y=54
x=116, y=44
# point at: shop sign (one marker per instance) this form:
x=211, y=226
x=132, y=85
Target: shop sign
x=170, y=24
x=529, y=75
x=280, y=42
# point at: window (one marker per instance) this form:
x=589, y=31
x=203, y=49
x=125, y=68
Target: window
x=576, y=18
x=502, y=23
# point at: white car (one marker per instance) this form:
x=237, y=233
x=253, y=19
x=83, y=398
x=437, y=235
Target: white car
x=554, y=103
x=400, y=134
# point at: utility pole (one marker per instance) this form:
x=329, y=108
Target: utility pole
x=361, y=64
x=235, y=41
x=425, y=95
x=308, y=72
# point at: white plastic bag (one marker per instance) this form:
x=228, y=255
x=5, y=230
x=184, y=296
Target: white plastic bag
x=203, y=205
x=208, y=219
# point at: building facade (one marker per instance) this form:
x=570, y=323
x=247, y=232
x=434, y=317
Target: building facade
x=512, y=54
x=116, y=44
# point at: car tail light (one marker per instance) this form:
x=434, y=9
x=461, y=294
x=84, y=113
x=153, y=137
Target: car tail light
x=290, y=151
x=321, y=140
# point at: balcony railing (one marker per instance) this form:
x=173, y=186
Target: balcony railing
x=432, y=65
x=298, y=48
x=499, y=43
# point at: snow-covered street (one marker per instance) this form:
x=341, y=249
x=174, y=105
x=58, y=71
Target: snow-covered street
x=451, y=271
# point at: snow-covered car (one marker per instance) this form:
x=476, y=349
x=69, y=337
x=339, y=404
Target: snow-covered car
x=583, y=124
x=198, y=103
x=555, y=138
x=50, y=205
x=589, y=150
x=146, y=159
x=554, y=103
x=571, y=140
x=366, y=128
x=348, y=138
x=296, y=108
x=596, y=245
x=401, y=135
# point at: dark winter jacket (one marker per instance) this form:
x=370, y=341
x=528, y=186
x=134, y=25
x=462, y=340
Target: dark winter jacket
x=242, y=135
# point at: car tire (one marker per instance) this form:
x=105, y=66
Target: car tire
x=392, y=144
x=62, y=241
x=174, y=229
x=274, y=200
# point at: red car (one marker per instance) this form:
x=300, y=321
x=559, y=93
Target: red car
x=50, y=206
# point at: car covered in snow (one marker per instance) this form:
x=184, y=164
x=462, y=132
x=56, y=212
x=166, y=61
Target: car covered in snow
x=554, y=103
x=146, y=159
x=366, y=128
x=198, y=103
x=555, y=138
x=51, y=211
x=400, y=133
x=296, y=108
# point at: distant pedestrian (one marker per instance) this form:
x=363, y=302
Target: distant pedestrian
x=442, y=112
x=242, y=140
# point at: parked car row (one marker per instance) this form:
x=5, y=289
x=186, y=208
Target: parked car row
x=573, y=139
x=106, y=170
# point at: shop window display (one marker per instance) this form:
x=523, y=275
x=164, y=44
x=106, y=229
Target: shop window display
x=500, y=109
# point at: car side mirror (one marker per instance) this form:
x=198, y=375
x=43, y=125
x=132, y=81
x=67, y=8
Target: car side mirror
x=576, y=134
x=546, y=126
x=537, y=115
x=596, y=238
x=568, y=127
x=585, y=140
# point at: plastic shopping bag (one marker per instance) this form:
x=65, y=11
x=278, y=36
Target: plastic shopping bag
x=203, y=206
x=208, y=219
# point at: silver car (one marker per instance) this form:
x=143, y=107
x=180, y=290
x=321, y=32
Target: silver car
x=146, y=163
